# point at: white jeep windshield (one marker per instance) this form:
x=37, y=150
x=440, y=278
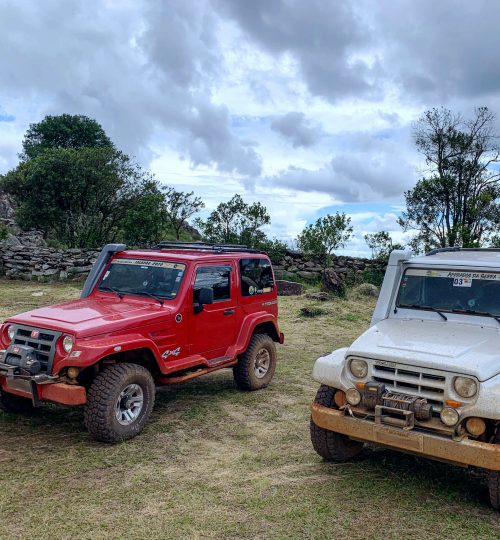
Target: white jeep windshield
x=142, y=277
x=474, y=293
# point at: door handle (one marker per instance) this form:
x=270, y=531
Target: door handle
x=228, y=311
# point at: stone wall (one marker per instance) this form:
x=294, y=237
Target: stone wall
x=296, y=264
x=44, y=264
x=38, y=262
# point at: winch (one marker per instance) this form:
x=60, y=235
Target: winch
x=22, y=357
x=395, y=408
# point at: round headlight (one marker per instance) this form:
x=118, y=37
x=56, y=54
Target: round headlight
x=11, y=332
x=449, y=416
x=358, y=367
x=353, y=396
x=465, y=387
x=67, y=343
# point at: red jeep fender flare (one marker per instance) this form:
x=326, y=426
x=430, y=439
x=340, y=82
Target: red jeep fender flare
x=95, y=349
x=248, y=327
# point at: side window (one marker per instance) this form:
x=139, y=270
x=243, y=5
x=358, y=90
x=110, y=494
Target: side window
x=256, y=276
x=217, y=278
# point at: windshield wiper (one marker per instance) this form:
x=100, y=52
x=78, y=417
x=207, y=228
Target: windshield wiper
x=111, y=289
x=418, y=306
x=474, y=312
x=157, y=298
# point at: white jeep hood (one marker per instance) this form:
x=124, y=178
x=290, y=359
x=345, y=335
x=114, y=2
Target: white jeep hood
x=445, y=345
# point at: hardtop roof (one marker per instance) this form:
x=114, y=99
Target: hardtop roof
x=485, y=257
x=189, y=254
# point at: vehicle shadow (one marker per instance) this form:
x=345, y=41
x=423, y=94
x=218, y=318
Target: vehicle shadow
x=435, y=480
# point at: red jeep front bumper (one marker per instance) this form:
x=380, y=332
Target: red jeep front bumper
x=57, y=392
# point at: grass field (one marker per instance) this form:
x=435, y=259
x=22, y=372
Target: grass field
x=217, y=463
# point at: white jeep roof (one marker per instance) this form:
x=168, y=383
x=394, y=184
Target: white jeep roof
x=489, y=258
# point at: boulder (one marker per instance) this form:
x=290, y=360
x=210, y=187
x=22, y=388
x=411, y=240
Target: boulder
x=367, y=289
x=331, y=282
x=289, y=288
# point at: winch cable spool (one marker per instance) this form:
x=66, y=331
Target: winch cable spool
x=419, y=406
x=376, y=394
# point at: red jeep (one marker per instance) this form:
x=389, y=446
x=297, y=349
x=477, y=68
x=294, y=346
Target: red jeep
x=145, y=317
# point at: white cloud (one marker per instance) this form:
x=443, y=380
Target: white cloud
x=301, y=105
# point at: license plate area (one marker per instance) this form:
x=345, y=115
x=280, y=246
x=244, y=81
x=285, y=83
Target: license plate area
x=392, y=416
x=21, y=385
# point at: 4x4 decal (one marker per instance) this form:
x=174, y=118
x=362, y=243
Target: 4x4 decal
x=174, y=352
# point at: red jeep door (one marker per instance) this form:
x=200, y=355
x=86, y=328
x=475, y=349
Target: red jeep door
x=214, y=329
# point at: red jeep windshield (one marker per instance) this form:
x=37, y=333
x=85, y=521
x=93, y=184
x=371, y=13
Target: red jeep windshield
x=474, y=293
x=142, y=277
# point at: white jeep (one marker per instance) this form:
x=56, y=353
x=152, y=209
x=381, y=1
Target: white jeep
x=425, y=377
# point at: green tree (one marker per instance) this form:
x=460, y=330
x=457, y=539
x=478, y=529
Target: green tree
x=79, y=197
x=179, y=207
x=276, y=249
x=327, y=234
x=235, y=222
x=75, y=186
x=146, y=221
x=381, y=244
x=456, y=203
x=63, y=131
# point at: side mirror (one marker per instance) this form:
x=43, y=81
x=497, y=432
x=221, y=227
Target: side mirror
x=206, y=297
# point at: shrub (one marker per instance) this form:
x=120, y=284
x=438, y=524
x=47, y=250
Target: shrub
x=4, y=231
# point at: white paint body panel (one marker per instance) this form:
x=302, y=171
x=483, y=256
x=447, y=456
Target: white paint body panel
x=407, y=338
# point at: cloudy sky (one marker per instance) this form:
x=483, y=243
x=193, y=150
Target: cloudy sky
x=304, y=105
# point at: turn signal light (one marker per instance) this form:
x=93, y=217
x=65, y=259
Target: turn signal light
x=453, y=403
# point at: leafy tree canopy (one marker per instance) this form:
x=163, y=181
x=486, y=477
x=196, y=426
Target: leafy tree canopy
x=63, y=131
x=457, y=202
x=179, y=207
x=327, y=234
x=235, y=222
x=75, y=186
x=381, y=244
x=80, y=197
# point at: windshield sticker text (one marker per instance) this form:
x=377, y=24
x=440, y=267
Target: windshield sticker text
x=150, y=264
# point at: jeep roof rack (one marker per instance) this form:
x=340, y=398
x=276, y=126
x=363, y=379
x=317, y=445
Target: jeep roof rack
x=204, y=246
x=448, y=249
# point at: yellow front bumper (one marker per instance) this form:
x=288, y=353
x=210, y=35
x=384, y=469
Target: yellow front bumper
x=465, y=452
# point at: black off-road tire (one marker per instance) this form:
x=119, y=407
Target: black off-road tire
x=329, y=445
x=103, y=395
x=245, y=370
x=494, y=481
x=15, y=404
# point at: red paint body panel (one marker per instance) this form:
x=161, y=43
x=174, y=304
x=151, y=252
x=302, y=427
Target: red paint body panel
x=173, y=335
x=65, y=394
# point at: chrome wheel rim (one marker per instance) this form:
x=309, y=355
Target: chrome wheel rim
x=129, y=404
x=262, y=363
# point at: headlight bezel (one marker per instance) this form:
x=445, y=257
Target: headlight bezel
x=67, y=343
x=458, y=387
x=11, y=332
x=358, y=374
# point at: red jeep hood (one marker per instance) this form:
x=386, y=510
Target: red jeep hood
x=92, y=316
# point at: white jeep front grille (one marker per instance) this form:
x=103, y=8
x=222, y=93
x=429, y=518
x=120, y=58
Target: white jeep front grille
x=411, y=380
